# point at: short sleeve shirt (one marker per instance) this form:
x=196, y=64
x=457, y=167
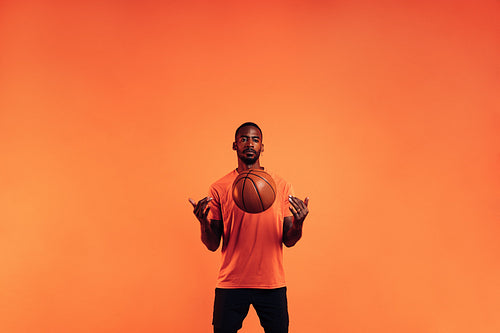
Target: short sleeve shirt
x=252, y=244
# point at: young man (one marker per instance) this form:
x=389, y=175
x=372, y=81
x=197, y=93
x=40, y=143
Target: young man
x=252, y=244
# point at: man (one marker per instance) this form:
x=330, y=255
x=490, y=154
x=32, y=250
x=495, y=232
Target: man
x=252, y=250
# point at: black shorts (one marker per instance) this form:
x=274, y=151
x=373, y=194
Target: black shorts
x=231, y=307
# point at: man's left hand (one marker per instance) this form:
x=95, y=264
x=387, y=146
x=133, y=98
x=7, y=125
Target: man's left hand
x=299, y=209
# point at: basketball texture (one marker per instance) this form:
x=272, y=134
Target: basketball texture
x=254, y=191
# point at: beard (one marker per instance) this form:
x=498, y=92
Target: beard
x=250, y=160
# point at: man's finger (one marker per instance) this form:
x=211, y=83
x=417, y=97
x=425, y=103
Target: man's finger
x=297, y=203
x=204, y=202
x=206, y=212
x=192, y=202
x=306, y=201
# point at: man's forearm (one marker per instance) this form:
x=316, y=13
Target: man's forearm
x=210, y=236
x=292, y=235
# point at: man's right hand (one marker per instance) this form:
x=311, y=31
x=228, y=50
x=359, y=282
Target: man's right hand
x=211, y=231
x=201, y=210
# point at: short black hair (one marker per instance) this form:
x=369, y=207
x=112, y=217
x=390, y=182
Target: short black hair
x=245, y=125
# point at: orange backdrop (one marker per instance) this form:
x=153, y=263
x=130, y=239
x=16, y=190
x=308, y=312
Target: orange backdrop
x=113, y=113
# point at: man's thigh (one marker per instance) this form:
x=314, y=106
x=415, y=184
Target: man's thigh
x=230, y=308
x=272, y=308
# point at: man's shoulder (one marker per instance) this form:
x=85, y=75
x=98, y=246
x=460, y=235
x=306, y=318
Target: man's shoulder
x=278, y=179
x=228, y=179
x=225, y=180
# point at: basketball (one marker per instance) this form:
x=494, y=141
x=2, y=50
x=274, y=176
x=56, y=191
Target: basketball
x=254, y=191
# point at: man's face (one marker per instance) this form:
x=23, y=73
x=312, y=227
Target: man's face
x=248, y=144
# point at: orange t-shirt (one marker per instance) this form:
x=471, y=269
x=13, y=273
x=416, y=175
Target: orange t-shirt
x=252, y=244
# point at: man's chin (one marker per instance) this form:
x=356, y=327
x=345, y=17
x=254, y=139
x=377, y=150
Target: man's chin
x=249, y=161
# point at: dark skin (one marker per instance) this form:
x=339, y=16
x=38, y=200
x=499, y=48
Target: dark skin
x=248, y=146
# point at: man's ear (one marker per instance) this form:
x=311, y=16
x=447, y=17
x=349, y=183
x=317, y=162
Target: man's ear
x=262, y=148
x=234, y=146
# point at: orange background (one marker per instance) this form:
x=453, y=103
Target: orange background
x=113, y=113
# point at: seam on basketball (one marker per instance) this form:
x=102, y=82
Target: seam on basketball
x=258, y=193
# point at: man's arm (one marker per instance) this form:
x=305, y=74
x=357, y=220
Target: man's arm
x=211, y=230
x=292, y=226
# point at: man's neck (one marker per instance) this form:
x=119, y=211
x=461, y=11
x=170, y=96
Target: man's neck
x=243, y=167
